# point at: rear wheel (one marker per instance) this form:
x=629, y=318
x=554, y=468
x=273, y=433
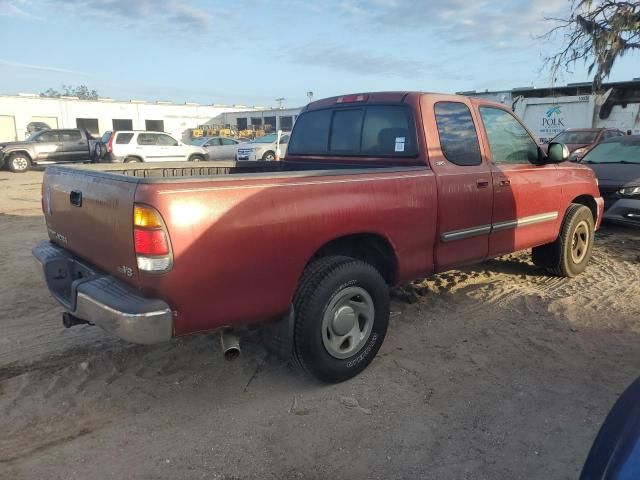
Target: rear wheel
x=18, y=162
x=196, y=158
x=132, y=160
x=569, y=254
x=269, y=156
x=341, y=317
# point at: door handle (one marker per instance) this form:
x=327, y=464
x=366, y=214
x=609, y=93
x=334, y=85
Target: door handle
x=75, y=198
x=482, y=183
x=505, y=183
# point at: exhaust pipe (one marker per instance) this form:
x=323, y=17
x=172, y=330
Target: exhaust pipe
x=230, y=345
x=69, y=320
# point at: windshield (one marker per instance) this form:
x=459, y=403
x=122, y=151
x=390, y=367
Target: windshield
x=33, y=136
x=266, y=139
x=576, y=136
x=614, y=152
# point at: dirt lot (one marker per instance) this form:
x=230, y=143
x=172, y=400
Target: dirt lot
x=495, y=372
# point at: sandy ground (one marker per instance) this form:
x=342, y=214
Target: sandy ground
x=493, y=372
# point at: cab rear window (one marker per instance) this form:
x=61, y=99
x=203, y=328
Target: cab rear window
x=376, y=130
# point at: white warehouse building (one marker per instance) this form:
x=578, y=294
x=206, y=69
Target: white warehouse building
x=277, y=118
x=17, y=111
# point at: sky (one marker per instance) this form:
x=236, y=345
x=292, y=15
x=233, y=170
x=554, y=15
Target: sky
x=252, y=52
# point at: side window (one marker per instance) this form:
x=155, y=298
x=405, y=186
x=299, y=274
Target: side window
x=509, y=142
x=48, y=137
x=458, y=137
x=166, y=141
x=389, y=130
x=125, y=138
x=311, y=133
x=227, y=141
x=146, y=139
x=345, y=131
x=70, y=135
x=214, y=142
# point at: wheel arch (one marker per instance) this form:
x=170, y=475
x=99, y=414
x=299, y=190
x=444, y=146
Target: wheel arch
x=370, y=247
x=134, y=156
x=589, y=202
x=24, y=152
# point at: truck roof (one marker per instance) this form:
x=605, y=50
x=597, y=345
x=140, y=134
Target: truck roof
x=391, y=97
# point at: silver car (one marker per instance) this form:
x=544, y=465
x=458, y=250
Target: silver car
x=263, y=148
x=219, y=148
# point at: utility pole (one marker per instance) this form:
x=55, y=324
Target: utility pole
x=280, y=100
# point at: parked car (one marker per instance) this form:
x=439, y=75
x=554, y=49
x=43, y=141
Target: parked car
x=615, y=453
x=49, y=146
x=219, y=148
x=263, y=148
x=376, y=189
x=580, y=140
x=616, y=163
x=140, y=146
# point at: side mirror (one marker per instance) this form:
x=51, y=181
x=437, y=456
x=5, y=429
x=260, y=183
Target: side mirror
x=558, y=152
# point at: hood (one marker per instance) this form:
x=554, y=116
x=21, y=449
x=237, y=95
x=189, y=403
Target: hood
x=616, y=174
x=15, y=144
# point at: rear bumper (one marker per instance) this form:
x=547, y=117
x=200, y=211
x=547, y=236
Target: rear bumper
x=102, y=299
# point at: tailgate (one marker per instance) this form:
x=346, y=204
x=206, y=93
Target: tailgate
x=91, y=215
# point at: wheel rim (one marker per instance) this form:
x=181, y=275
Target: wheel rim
x=269, y=157
x=347, y=322
x=195, y=159
x=20, y=163
x=580, y=242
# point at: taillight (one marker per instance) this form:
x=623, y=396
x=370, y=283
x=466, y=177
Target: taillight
x=151, y=242
x=110, y=142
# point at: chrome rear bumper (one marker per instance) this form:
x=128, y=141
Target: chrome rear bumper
x=102, y=299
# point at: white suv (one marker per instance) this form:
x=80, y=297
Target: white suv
x=263, y=148
x=135, y=146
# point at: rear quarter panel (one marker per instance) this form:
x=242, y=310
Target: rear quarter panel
x=241, y=246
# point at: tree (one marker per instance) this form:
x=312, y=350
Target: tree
x=597, y=33
x=82, y=92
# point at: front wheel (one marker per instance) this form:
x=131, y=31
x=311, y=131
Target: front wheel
x=18, y=162
x=269, y=156
x=341, y=317
x=569, y=254
x=196, y=158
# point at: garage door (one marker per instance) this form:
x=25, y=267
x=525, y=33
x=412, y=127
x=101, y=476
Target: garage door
x=7, y=129
x=51, y=121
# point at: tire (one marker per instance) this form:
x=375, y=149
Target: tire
x=569, y=254
x=18, y=162
x=334, y=347
x=269, y=156
x=196, y=158
x=132, y=160
x=99, y=152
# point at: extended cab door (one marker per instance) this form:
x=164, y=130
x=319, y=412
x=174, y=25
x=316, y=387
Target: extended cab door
x=465, y=192
x=527, y=194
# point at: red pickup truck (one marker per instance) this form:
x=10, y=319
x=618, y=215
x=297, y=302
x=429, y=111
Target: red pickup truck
x=376, y=189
